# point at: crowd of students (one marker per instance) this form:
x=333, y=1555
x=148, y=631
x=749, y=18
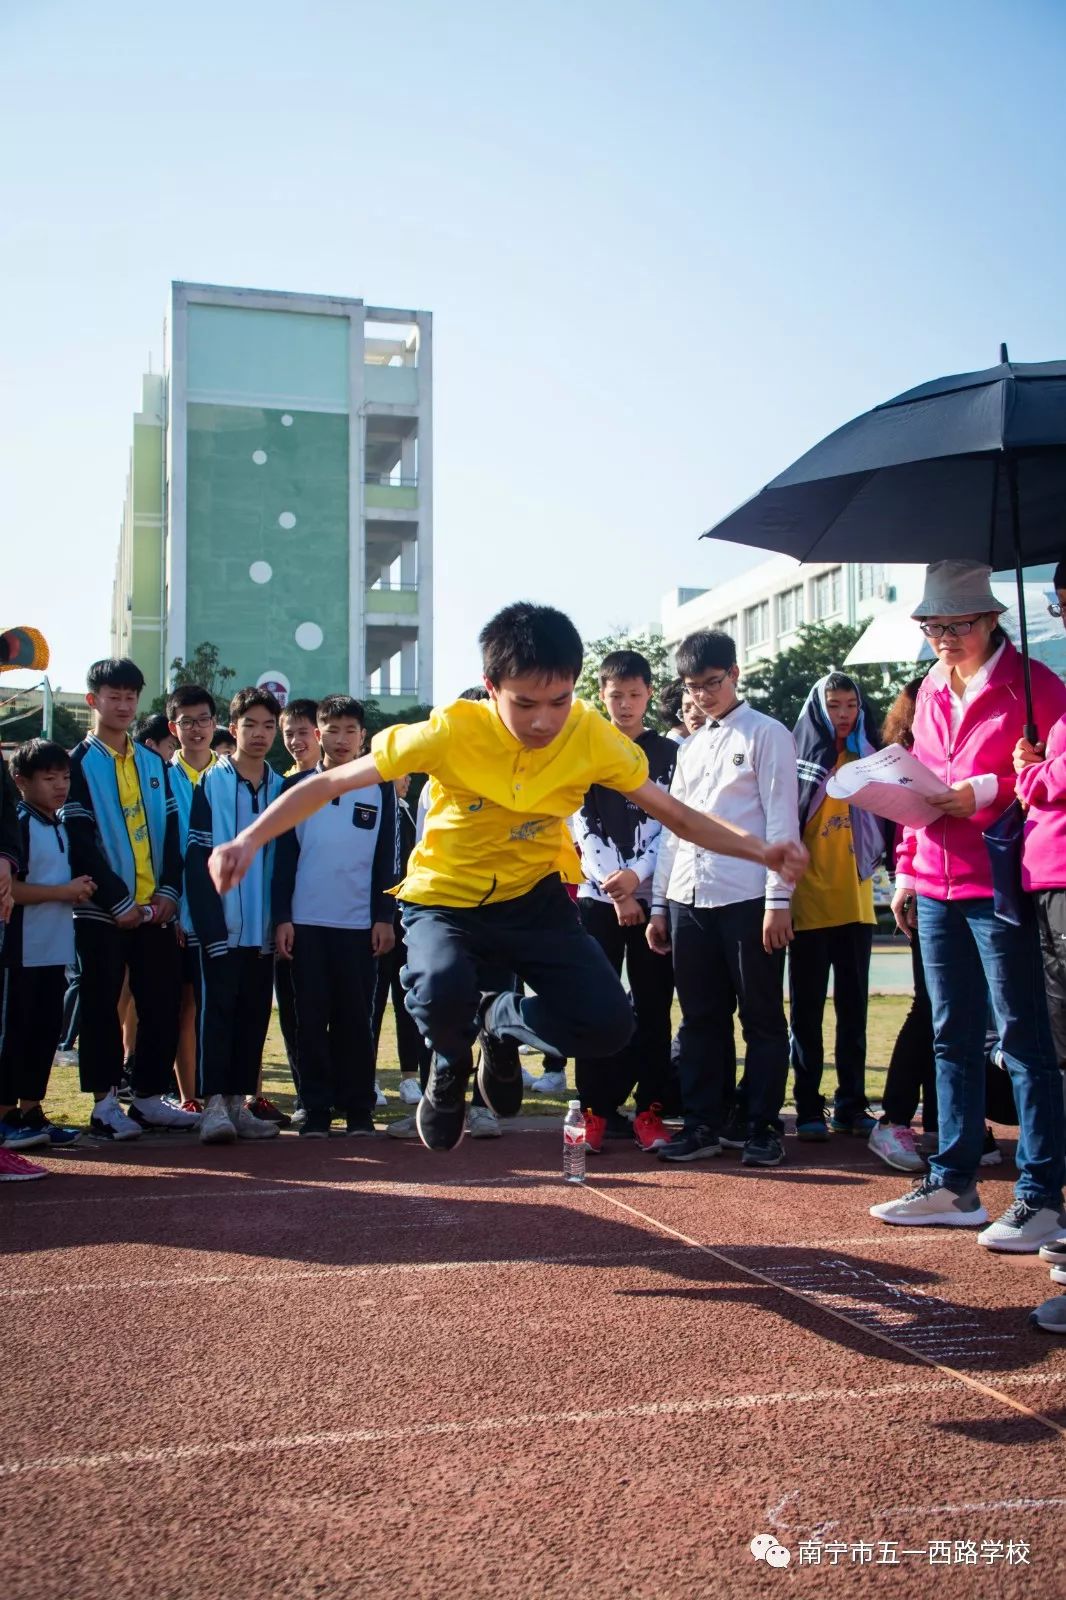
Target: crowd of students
x=704, y=858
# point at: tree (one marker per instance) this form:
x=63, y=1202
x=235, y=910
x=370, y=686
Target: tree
x=204, y=669
x=651, y=646
x=23, y=725
x=780, y=686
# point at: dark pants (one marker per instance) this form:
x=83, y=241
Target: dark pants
x=812, y=953
x=410, y=1046
x=154, y=961
x=645, y=1060
x=71, y=1008
x=912, y=1069
x=578, y=1005
x=1051, y=921
x=971, y=957
x=719, y=966
x=31, y=1019
x=333, y=979
x=287, y=1015
x=232, y=1025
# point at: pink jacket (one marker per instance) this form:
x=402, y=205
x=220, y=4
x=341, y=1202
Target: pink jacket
x=1042, y=787
x=949, y=859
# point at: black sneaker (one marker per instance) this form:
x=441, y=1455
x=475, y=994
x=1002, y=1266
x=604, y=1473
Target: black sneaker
x=691, y=1144
x=440, y=1115
x=763, y=1149
x=360, y=1126
x=735, y=1134
x=499, y=1070
x=617, y=1126
x=315, y=1127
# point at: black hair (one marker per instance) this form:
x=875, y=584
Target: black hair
x=155, y=727
x=189, y=694
x=669, y=704
x=294, y=710
x=245, y=699
x=222, y=736
x=524, y=639
x=840, y=681
x=114, y=672
x=39, y=755
x=341, y=705
x=707, y=650
x=624, y=664
x=477, y=691
x=1059, y=579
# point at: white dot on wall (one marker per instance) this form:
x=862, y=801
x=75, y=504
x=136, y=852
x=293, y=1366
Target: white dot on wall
x=309, y=636
x=287, y=520
x=259, y=457
x=260, y=572
x=286, y=421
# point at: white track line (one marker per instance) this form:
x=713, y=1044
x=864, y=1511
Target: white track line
x=163, y=1455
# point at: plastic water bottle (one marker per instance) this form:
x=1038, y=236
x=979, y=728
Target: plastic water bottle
x=574, y=1143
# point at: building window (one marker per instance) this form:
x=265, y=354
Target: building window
x=726, y=625
x=871, y=579
x=827, y=593
x=757, y=623
x=790, y=609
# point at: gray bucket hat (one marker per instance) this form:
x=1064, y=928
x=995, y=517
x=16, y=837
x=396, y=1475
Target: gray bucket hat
x=957, y=589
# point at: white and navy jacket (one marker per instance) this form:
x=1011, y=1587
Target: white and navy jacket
x=741, y=767
x=239, y=919
x=42, y=935
x=182, y=789
x=613, y=833
x=334, y=869
x=100, y=838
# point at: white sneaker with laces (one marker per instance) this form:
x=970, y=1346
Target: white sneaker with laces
x=216, y=1125
x=931, y=1205
x=246, y=1123
x=1023, y=1228
x=152, y=1111
x=109, y=1121
x=481, y=1123
x=897, y=1147
x=402, y=1128
x=550, y=1083
x=379, y=1094
x=410, y=1092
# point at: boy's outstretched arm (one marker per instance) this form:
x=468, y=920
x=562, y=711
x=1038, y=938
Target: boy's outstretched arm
x=724, y=838
x=229, y=862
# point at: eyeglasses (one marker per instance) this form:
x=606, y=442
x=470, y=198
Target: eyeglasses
x=708, y=686
x=954, y=630
x=185, y=723
x=1054, y=611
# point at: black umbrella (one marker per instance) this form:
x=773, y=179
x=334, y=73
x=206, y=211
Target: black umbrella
x=971, y=467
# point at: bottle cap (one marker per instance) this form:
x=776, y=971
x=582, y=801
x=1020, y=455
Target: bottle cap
x=574, y=1105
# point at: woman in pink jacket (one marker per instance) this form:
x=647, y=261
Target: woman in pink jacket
x=969, y=715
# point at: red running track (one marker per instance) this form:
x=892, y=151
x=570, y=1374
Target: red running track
x=361, y=1369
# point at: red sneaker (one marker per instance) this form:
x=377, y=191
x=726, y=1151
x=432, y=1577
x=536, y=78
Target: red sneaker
x=267, y=1111
x=192, y=1105
x=649, y=1130
x=16, y=1169
x=595, y=1128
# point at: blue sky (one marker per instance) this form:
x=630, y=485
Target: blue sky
x=667, y=247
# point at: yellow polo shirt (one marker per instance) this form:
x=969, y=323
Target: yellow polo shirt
x=191, y=772
x=136, y=819
x=496, y=823
x=830, y=894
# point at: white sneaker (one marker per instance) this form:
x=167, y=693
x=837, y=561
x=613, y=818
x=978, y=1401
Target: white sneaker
x=65, y=1058
x=298, y=1118
x=528, y=1079
x=109, y=1121
x=246, y=1123
x=410, y=1092
x=930, y=1205
x=216, y=1125
x=152, y=1111
x=1022, y=1229
x=897, y=1147
x=550, y=1083
x=402, y=1128
x=481, y=1123
x=379, y=1094
x=528, y=1050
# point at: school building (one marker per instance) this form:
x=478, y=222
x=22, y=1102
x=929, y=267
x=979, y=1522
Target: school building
x=279, y=502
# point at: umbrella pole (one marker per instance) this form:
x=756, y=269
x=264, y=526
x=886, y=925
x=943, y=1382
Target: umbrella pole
x=1023, y=632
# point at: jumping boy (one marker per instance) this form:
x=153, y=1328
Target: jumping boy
x=38, y=948
x=484, y=883
x=123, y=827
x=333, y=916
x=191, y=713
x=234, y=929
x=619, y=845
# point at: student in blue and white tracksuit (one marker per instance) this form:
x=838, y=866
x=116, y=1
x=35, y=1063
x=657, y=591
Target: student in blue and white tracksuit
x=235, y=930
x=334, y=916
x=192, y=713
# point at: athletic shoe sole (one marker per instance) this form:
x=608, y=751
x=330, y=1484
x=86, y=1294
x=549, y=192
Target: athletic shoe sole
x=694, y=1155
x=1054, y=1252
x=98, y=1130
x=437, y=1138
x=1045, y=1327
x=501, y=1094
x=30, y=1141
x=1021, y=1247
x=1057, y=1274
x=942, y=1219
x=748, y=1160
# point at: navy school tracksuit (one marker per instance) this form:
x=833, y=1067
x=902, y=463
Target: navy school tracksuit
x=331, y=877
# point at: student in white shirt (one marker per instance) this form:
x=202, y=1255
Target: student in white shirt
x=728, y=921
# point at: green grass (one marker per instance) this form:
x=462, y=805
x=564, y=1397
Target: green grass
x=67, y=1104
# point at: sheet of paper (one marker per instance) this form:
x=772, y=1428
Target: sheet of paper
x=891, y=783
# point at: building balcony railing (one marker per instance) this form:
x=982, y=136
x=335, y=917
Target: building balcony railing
x=387, y=481
x=398, y=599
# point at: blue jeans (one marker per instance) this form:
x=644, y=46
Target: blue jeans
x=971, y=957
